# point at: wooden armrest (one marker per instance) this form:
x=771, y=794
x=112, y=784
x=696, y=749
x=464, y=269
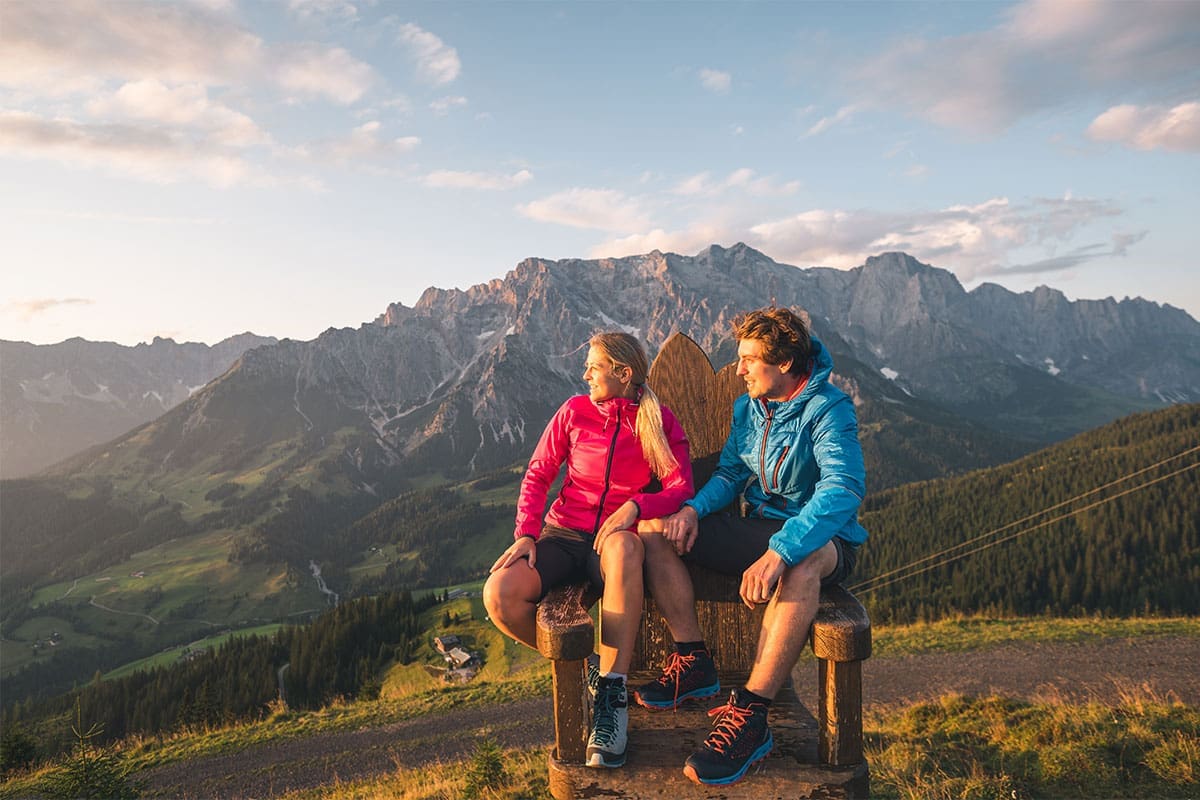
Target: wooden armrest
x=565, y=631
x=841, y=630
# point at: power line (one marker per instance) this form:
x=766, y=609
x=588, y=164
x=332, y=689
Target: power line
x=874, y=582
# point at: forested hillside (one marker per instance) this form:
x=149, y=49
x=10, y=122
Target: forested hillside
x=336, y=656
x=1107, y=522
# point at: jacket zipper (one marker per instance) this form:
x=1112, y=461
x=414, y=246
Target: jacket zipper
x=778, y=464
x=762, y=450
x=612, y=451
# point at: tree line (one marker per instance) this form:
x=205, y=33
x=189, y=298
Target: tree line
x=340, y=654
x=1137, y=554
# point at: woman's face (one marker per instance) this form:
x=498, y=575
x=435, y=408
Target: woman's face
x=605, y=382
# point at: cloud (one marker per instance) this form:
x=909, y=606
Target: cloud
x=825, y=123
x=436, y=62
x=321, y=10
x=1043, y=54
x=144, y=151
x=1150, y=127
x=716, y=80
x=444, y=105
x=182, y=106
x=994, y=237
x=364, y=143
x=600, y=209
x=67, y=47
x=28, y=309
x=703, y=185
x=450, y=179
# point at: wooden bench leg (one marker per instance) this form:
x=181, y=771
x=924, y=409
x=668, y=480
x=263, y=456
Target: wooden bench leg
x=570, y=711
x=840, y=735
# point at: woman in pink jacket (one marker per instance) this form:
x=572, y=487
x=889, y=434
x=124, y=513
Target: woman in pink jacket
x=613, y=441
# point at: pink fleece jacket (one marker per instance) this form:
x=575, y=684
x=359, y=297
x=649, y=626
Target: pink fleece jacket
x=605, y=467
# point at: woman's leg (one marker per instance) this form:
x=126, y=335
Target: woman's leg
x=511, y=596
x=621, y=565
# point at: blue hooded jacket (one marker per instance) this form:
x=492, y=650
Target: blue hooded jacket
x=806, y=464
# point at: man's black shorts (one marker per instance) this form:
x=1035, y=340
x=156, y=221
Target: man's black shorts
x=729, y=544
x=566, y=556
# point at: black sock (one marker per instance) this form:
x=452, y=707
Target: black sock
x=687, y=648
x=743, y=697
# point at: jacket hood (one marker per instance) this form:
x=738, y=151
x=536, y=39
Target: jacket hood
x=822, y=368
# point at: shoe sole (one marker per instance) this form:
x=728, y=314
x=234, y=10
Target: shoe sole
x=758, y=755
x=696, y=694
x=598, y=760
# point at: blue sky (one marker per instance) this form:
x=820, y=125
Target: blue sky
x=195, y=170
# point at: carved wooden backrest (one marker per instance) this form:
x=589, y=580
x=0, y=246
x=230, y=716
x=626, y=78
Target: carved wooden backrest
x=702, y=400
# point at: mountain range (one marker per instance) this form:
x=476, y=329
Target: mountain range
x=58, y=399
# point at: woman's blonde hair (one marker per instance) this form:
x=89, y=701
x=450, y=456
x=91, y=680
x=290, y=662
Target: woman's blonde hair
x=624, y=350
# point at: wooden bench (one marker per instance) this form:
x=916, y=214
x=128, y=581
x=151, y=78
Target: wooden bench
x=813, y=757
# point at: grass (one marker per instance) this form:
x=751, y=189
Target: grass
x=171, y=655
x=955, y=748
x=977, y=633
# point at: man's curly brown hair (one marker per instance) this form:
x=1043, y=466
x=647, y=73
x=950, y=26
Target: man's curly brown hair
x=783, y=334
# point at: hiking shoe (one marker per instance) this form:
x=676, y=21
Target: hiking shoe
x=739, y=739
x=592, y=673
x=690, y=677
x=610, y=724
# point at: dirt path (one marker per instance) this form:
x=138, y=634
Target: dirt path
x=1100, y=671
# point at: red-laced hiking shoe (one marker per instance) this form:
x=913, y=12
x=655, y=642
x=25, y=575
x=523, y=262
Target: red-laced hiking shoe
x=739, y=740
x=690, y=677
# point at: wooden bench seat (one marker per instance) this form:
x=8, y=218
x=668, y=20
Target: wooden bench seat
x=819, y=756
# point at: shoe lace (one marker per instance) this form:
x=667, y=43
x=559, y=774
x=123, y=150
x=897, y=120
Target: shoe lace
x=730, y=725
x=605, y=714
x=674, y=669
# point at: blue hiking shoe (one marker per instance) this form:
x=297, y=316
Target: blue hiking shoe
x=739, y=739
x=690, y=677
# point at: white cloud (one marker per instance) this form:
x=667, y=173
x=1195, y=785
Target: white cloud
x=67, y=47
x=28, y=309
x=600, y=209
x=364, y=143
x=690, y=240
x=143, y=151
x=450, y=179
x=1150, y=127
x=185, y=106
x=335, y=10
x=715, y=80
x=1043, y=54
x=444, y=105
x=825, y=123
x=703, y=185
x=436, y=61
x=328, y=72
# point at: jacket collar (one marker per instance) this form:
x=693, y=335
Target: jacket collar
x=820, y=368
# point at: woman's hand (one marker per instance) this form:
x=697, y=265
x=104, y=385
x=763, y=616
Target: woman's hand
x=525, y=546
x=623, y=519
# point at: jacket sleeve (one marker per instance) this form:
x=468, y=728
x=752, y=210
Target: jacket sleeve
x=839, y=490
x=544, y=465
x=677, y=486
x=728, y=479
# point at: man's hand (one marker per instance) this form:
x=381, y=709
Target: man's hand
x=759, y=579
x=525, y=546
x=681, y=529
x=623, y=519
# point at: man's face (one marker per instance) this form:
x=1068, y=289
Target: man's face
x=769, y=381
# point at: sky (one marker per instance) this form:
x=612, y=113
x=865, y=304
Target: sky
x=196, y=170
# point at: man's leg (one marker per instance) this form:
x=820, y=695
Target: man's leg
x=671, y=586
x=787, y=620
x=741, y=736
x=511, y=597
x=689, y=673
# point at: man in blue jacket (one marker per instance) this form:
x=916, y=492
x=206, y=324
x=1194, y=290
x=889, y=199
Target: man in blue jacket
x=794, y=456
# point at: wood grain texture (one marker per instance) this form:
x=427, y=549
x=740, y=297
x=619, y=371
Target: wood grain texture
x=840, y=713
